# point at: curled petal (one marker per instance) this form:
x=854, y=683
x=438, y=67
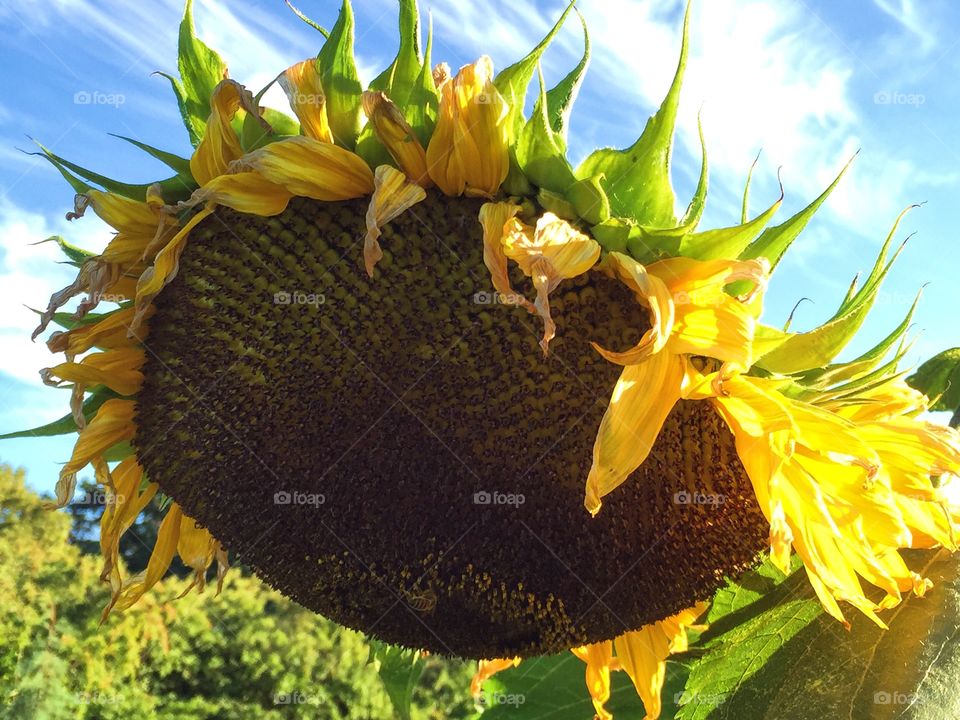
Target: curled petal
x=393, y=195
x=196, y=548
x=393, y=130
x=653, y=293
x=246, y=192
x=168, y=537
x=495, y=218
x=553, y=252
x=468, y=152
x=116, y=330
x=642, y=398
x=301, y=83
x=118, y=369
x=220, y=145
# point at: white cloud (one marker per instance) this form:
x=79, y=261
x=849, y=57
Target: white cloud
x=29, y=274
x=905, y=13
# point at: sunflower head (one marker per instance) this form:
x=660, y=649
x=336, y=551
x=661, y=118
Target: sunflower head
x=426, y=377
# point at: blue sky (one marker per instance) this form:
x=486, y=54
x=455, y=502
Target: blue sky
x=808, y=82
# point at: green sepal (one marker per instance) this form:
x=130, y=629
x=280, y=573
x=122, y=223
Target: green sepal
x=512, y=82
x=120, y=451
x=557, y=204
x=691, y=218
x=398, y=79
x=254, y=135
x=422, y=105
x=745, y=205
x=76, y=255
x=541, y=153
x=637, y=179
x=338, y=77
x=67, y=424
x=774, y=242
x=180, y=165
x=613, y=234
x=173, y=189
x=69, y=321
x=865, y=363
x=817, y=348
x=939, y=379
x=727, y=243
x=561, y=98
x=201, y=69
x=316, y=26
x=369, y=147
x=589, y=200
x=400, y=670
x=516, y=182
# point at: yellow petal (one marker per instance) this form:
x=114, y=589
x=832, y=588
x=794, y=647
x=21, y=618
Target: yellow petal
x=468, y=152
x=643, y=654
x=301, y=83
x=598, y=658
x=393, y=130
x=119, y=370
x=555, y=251
x=220, y=145
x=114, y=331
x=164, y=269
x=486, y=669
x=164, y=548
x=494, y=218
x=313, y=169
x=196, y=548
x=653, y=293
x=643, y=397
x=246, y=192
x=393, y=195
x=124, y=215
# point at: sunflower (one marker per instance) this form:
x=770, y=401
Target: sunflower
x=430, y=380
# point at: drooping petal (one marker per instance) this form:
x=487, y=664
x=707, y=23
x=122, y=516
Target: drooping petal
x=164, y=548
x=246, y=192
x=309, y=168
x=393, y=195
x=118, y=369
x=643, y=654
x=468, y=152
x=494, y=218
x=642, y=398
x=301, y=83
x=113, y=331
x=196, y=548
x=393, y=130
x=599, y=658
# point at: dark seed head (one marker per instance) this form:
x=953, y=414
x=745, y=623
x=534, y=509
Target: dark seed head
x=397, y=454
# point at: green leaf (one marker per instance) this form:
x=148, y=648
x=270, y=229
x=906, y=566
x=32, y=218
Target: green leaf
x=561, y=98
x=254, y=135
x=541, y=152
x=201, y=69
x=400, y=670
x=774, y=242
x=783, y=657
x=637, y=180
x=730, y=242
x=178, y=164
x=339, y=79
x=939, y=379
x=750, y=587
x=817, y=348
x=513, y=81
x=66, y=424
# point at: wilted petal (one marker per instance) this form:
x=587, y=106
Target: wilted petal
x=394, y=195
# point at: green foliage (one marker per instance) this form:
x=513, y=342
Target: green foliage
x=249, y=654
x=939, y=379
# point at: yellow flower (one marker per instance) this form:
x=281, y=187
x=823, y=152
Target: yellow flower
x=301, y=83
